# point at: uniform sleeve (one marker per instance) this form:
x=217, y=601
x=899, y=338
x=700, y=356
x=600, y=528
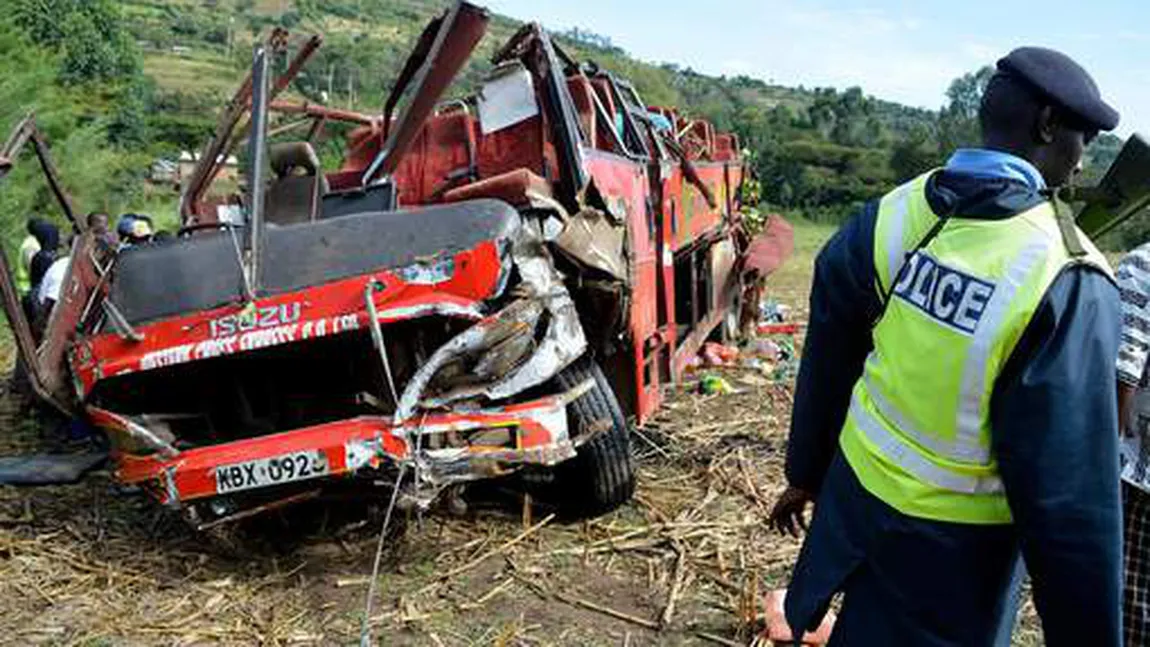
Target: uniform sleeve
x=843, y=305
x=1055, y=432
x=1133, y=276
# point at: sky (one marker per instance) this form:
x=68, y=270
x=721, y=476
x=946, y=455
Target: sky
x=898, y=50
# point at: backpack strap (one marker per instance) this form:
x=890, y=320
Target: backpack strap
x=1064, y=216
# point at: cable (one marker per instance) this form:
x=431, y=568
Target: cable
x=365, y=629
x=377, y=335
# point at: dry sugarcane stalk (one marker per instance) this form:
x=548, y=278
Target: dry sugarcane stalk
x=494, y=591
x=676, y=588
x=723, y=582
x=531, y=584
x=491, y=553
x=717, y=639
x=486, y=597
x=654, y=446
x=642, y=622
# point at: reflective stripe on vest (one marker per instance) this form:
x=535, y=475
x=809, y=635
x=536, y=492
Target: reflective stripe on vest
x=918, y=433
x=969, y=423
x=894, y=249
x=914, y=462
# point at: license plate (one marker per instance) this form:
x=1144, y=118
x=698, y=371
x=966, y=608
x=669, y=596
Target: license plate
x=262, y=472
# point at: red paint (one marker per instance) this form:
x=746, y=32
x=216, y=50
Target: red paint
x=449, y=158
x=193, y=474
x=774, y=244
x=333, y=308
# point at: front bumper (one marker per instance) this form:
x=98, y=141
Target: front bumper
x=347, y=446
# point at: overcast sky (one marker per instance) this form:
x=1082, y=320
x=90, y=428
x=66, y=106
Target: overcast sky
x=894, y=49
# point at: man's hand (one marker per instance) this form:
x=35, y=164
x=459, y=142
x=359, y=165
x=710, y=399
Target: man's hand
x=1125, y=404
x=789, y=513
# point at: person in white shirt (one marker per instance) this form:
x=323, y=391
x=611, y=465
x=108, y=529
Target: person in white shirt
x=49, y=292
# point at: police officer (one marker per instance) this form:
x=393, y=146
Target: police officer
x=956, y=401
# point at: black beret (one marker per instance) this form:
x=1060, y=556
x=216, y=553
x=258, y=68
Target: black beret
x=1061, y=80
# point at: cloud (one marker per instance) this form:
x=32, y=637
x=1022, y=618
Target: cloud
x=883, y=52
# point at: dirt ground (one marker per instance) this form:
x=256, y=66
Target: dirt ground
x=686, y=562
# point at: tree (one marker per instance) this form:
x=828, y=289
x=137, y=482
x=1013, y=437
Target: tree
x=958, y=120
x=89, y=33
x=915, y=154
x=94, y=173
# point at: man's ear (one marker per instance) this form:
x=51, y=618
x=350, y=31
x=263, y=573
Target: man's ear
x=1045, y=125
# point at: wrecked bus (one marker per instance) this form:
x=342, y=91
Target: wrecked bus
x=501, y=283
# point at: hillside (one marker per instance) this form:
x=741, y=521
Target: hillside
x=126, y=82
x=195, y=46
x=817, y=150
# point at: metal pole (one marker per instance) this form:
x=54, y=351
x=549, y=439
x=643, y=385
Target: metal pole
x=257, y=153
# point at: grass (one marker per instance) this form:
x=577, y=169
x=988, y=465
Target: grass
x=174, y=72
x=162, y=206
x=791, y=284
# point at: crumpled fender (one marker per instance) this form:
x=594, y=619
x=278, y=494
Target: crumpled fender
x=562, y=343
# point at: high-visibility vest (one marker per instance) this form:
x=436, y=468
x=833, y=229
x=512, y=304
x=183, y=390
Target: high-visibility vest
x=918, y=430
x=28, y=249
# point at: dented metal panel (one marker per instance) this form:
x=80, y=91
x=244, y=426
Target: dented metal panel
x=507, y=98
x=47, y=378
x=596, y=241
x=562, y=343
x=76, y=290
x=459, y=32
x=369, y=442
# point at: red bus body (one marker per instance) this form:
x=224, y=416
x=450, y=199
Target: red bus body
x=623, y=220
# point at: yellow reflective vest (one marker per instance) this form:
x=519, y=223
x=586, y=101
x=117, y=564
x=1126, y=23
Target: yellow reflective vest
x=918, y=431
x=28, y=249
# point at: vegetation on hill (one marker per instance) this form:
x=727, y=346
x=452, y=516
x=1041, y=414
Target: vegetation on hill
x=72, y=63
x=118, y=84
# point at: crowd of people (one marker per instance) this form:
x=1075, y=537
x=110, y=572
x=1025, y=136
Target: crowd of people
x=44, y=257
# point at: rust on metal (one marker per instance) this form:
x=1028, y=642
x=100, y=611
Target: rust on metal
x=459, y=32
x=323, y=112
x=24, y=132
x=60, y=332
x=210, y=159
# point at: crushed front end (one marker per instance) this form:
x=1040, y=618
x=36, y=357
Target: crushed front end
x=436, y=345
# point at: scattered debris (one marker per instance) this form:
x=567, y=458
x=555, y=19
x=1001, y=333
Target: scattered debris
x=675, y=562
x=773, y=312
x=715, y=354
x=711, y=384
x=763, y=349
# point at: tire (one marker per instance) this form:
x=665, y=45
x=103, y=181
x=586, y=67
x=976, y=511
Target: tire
x=601, y=476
